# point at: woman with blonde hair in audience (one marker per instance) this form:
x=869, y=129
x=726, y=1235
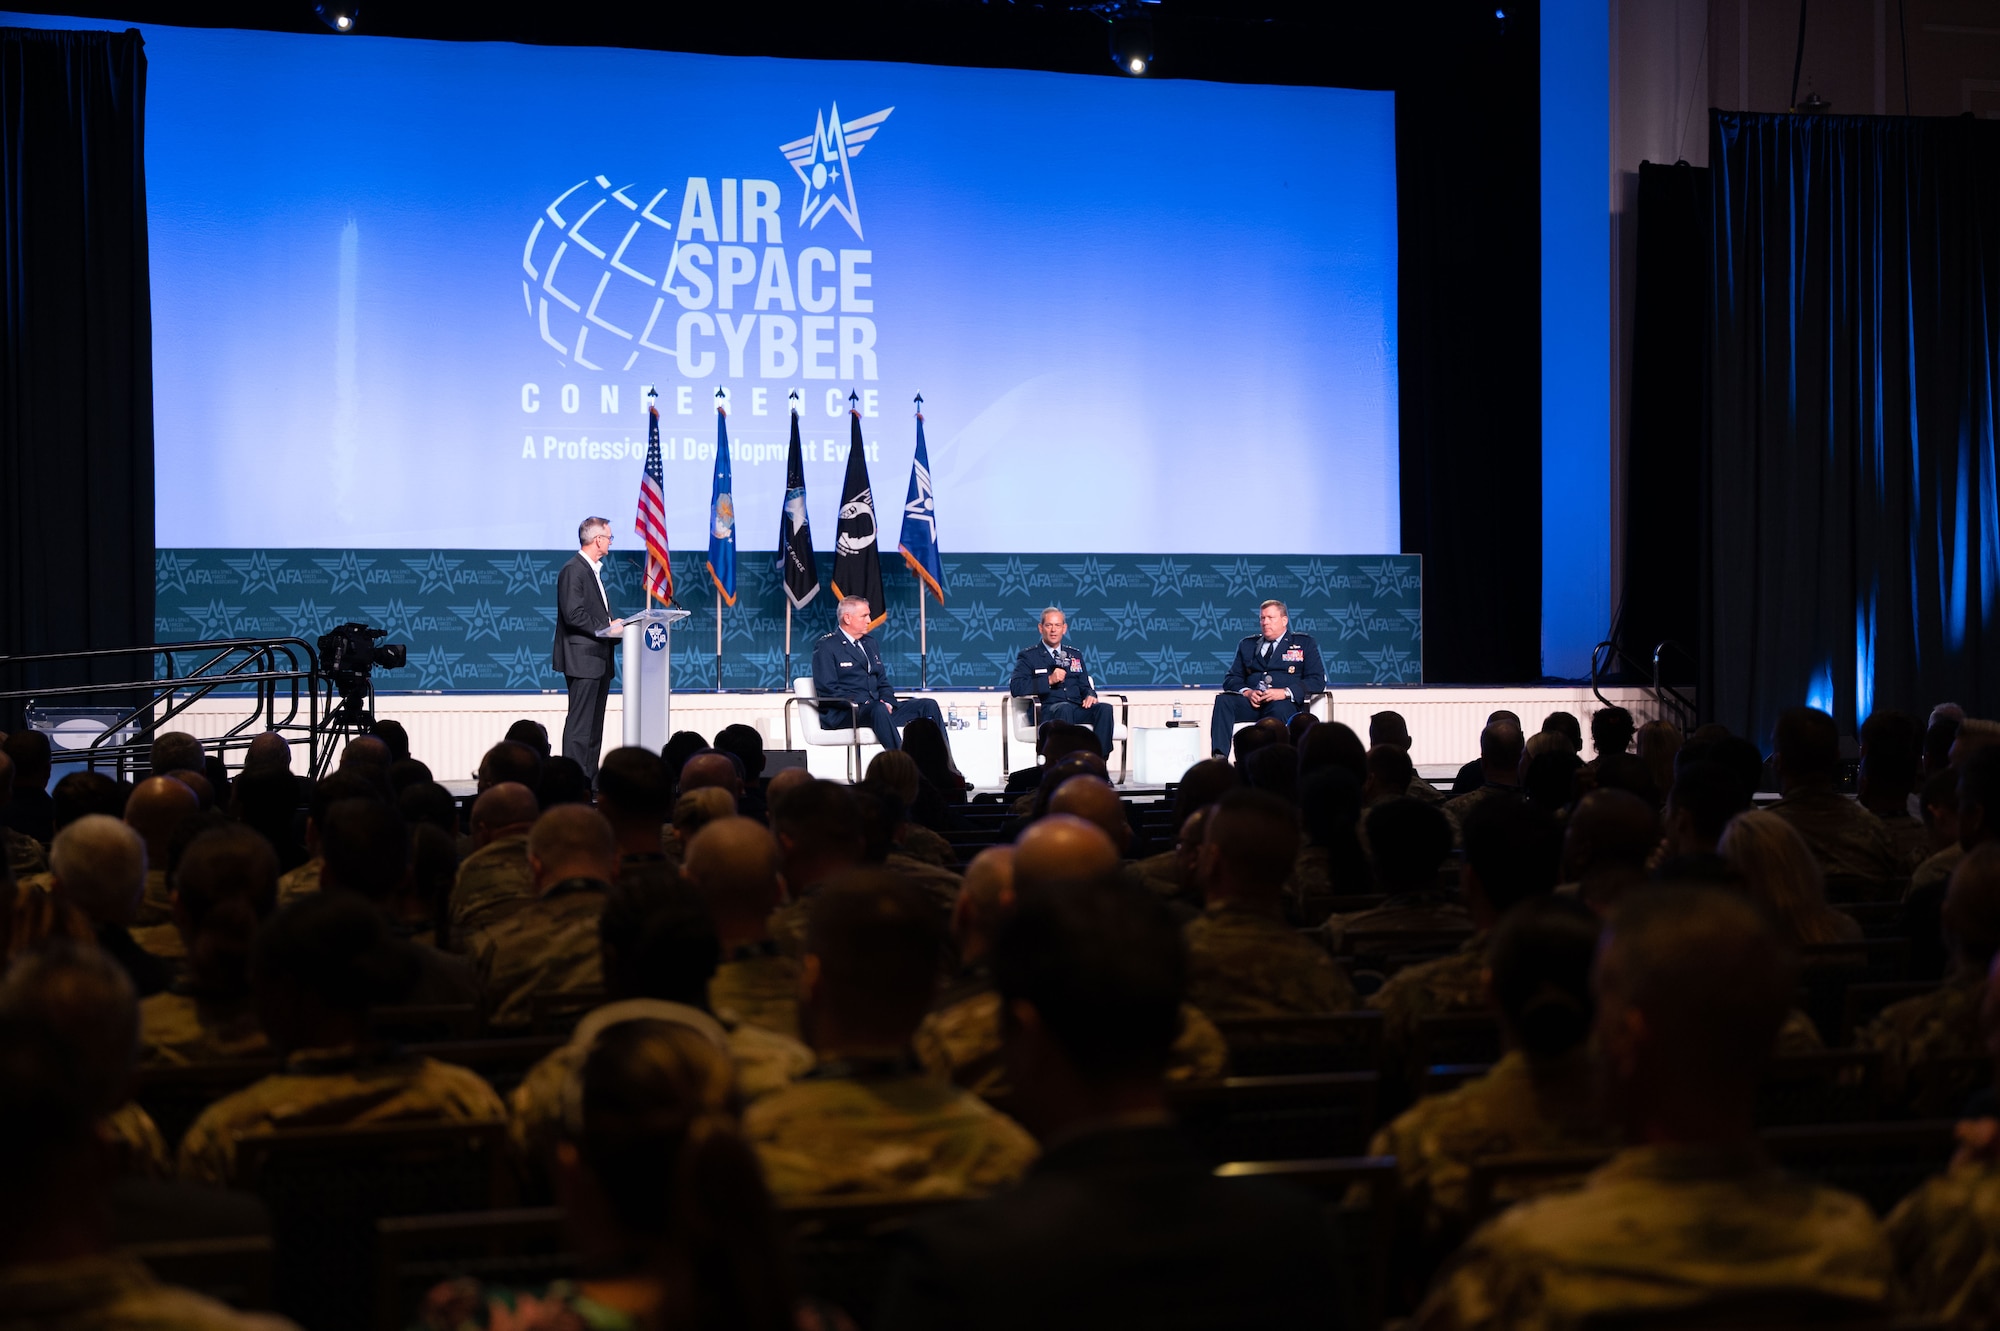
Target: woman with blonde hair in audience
x=1781, y=875
x=223, y=888
x=665, y=1203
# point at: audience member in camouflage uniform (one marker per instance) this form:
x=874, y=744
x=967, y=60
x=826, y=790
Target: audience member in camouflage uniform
x=1846, y=839
x=1511, y=852
x=868, y=1119
x=25, y=855
x=68, y=1028
x=817, y=826
x=317, y=968
x=1171, y=873
x=1891, y=761
x=733, y=864
x=1243, y=959
x=633, y=794
x=155, y=810
x=1390, y=730
x=1540, y=1097
x=1691, y=986
x=660, y=949
x=494, y=881
x=960, y=1039
x=548, y=948
x=225, y=886
x=1945, y=1023
x=1500, y=747
x=1408, y=842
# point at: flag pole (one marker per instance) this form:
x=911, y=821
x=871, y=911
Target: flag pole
x=788, y=643
x=718, y=639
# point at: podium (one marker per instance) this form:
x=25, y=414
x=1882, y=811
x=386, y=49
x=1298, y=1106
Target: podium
x=648, y=662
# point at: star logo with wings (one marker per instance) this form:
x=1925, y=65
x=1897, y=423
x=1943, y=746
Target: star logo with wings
x=308, y=619
x=979, y=620
x=436, y=571
x=823, y=160
x=1013, y=576
x=923, y=508
x=1208, y=620
x=434, y=667
x=170, y=572
x=1130, y=619
x=398, y=618
x=214, y=620
x=1090, y=576
x=1168, y=577
x=481, y=620
x=524, y=573
x=524, y=666
x=1241, y=577
x=1353, y=620
x=1167, y=664
x=1315, y=578
x=259, y=570
x=1391, y=579
x=1388, y=663
x=348, y=571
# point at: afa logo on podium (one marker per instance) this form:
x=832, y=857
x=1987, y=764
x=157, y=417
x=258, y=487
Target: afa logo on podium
x=656, y=637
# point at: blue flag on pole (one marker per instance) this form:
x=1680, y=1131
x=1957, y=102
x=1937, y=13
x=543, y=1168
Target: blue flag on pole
x=722, y=510
x=919, y=542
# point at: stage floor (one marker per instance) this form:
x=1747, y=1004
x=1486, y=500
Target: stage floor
x=449, y=731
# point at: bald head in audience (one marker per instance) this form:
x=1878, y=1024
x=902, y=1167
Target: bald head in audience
x=1063, y=849
x=198, y=782
x=711, y=770
x=983, y=902
x=733, y=864
x=782, y=784
x=1692, y=985
x=502, y=809
x=571, y=841
x=367, y=751
x=156, y=807
x=1096, y=801
x=269, y=749
x=99, y=866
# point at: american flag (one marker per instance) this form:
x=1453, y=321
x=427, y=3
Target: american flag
x=651, y=524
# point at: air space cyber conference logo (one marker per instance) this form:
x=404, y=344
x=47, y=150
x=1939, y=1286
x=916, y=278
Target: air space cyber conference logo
x=613, y=272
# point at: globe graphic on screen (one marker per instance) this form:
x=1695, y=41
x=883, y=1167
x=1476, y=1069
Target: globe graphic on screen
x=596, y=273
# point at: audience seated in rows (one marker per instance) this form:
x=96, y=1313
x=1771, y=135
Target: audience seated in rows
x=547, y=949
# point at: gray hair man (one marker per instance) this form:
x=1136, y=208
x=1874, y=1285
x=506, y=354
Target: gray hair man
x=1054, y=673
x=848, y=668
x=582, y=649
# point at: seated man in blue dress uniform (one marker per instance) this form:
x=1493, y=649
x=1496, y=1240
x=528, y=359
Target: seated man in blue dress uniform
x=1056, y=674
x=848, y=665
x=1274, y=672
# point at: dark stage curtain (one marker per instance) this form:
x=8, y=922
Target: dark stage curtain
x=1469, y=299
x=1658, y=600
x=76, y=381
x=1853, y=522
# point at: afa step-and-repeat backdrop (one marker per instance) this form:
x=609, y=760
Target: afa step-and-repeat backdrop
x=484, y=619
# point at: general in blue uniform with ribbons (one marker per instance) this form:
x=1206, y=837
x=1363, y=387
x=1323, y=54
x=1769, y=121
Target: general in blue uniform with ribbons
x=848, y=666
x=1055, y=673
x=1274, y=672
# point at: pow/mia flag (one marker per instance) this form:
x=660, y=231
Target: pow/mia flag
x=857, y=557
x=797, y=568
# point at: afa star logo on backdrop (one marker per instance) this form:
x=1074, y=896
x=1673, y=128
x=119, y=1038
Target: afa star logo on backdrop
x=1388, y=663
x=438, y=573
x=1013, y=576
x=1240, y=578
x=214, y=620
x=1206, y=620
x=824, y=160
x=308, y=619
x=1353, y=620
x=170, y=572
x=979, y=620
x=1315, y=578
x=1168, y=577
x=525, y=667
x=1130, y=619
x=397, y=617
x=258, y=571
x=482, y=620
x=524, y=573
x=1391, y=579
x=349, y=572
x=1089, y=575
x=434, y=667
x=1168, y=664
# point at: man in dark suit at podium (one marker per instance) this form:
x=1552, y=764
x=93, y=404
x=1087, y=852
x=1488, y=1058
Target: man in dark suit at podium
x=1274, y=672
x=1056, y=674
x=848, y=665
x=582, y=610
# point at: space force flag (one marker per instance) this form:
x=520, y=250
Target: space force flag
x=797, y=568
x=651, y=523
x=919, y=542
x=722, y=510
x=857, y=557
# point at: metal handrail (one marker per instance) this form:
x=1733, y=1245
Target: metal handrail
x=1663, y=694
x=1663, y=690
x=169, y=690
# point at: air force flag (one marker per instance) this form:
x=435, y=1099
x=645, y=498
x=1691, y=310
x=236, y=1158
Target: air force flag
x=722, y=510
x=796, y=567
x=919, y=542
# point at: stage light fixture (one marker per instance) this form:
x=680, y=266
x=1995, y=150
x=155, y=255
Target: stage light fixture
x=339, y=17
x=1132, y=44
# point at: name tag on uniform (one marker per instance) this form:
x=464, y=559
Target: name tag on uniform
x=845, y=664
x=1042, y=671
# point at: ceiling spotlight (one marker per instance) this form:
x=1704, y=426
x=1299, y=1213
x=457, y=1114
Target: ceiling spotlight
x=1132, y=44
x=340, y=17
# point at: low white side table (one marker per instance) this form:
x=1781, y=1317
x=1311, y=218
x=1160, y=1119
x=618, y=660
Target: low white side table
x=1160, y=754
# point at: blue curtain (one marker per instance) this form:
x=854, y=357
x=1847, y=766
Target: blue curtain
x=1852, y=552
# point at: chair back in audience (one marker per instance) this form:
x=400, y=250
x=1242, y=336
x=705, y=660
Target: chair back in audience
x=1838, y=1086
x=503, y=1063
x=1762, y=1310
x=522, y=1247
x=1862, y=1003
x=327, y=1187
x=558, y=1014
x=235, y=1270
x=1278, y=1046
x=1375, y=949
x=1278, y=1118
x=175, y=1097
x=427, y=1022
x=841, y=1250
x=1881, y=1163
x=1828, y=969
x=1498, y=1181
x=1456, y=1037
x=1359, y=1193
